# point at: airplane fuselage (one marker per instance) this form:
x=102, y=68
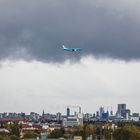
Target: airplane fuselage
x=71, y=49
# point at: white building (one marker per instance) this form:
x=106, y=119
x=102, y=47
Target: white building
x=135, y=117
x=73, y=121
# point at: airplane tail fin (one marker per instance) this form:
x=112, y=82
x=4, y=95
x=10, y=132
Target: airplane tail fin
x=63, y=47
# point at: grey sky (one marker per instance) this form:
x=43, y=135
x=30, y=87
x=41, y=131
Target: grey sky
x=33, y=29
x=91, y=83
x=32, y=75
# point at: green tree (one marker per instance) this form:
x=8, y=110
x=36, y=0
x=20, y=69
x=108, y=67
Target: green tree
x=13, y=137
x=31, y=134
x=78, y=131
x=57, y=133
x=2, y=138
x=68, y=133
x=15, y=129
x=127, y=132
x=89, y=129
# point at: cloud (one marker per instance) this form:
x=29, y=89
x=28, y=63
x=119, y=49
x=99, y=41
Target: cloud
x=91, y=83
x=35, y=30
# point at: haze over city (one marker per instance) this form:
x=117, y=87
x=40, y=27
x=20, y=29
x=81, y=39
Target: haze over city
x=36, y=73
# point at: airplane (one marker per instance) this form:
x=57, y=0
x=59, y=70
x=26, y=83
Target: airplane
x=71, y=49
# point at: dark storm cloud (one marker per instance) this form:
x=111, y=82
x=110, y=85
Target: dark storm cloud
x=37, y=29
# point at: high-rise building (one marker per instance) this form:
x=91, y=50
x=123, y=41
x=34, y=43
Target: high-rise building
x=97, y=114
x=101, y=111
x=111, y=112
x=121, y=109
x=68, y=112
x=126, y=114
x=58, y=116
x=43, y=116
x=105, y=116
x=122, y=112
x=34, y=116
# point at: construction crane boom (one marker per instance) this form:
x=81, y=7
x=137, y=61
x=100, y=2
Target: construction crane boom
x=75, y=106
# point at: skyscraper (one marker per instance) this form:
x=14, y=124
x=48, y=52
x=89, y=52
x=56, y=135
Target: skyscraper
x=68, y=112
x=121, y=110
x=111, y=112
x=101, y=111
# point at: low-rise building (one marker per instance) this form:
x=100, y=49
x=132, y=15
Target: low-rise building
x=135, y=117
x=72, y=121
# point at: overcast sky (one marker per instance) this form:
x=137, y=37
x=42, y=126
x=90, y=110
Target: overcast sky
x=36, y=74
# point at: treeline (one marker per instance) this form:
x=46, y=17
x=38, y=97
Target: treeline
x=99, y=132
x=127, y=132
x=14, y=132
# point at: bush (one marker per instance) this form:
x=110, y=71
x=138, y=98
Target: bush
x=31, y=134
x=4, y=138
x=13, y=137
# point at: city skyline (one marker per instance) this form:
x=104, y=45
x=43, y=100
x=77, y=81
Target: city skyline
x=35, y=72
x=78, y=109
x=123, y=114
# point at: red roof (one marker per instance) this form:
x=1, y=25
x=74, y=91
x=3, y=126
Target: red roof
x=13, y=119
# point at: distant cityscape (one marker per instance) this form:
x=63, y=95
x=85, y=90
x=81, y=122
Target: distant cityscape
x=101, y=125
x=77, y=118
